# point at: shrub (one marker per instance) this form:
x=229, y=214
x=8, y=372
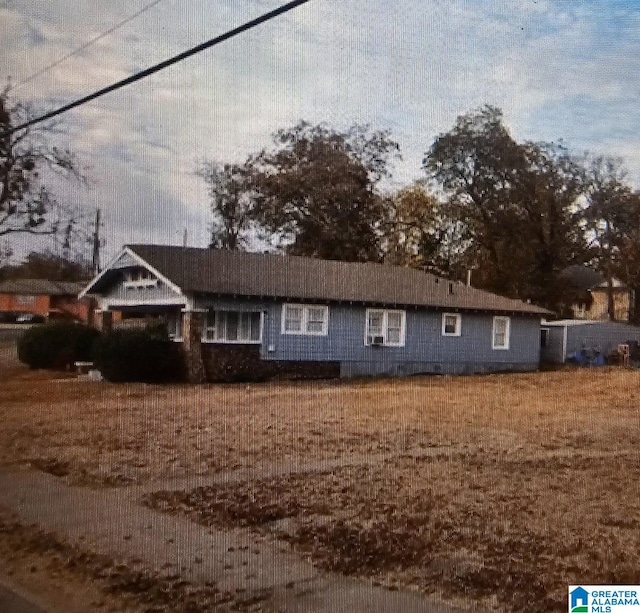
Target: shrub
x=139, y=355
x=56, y=345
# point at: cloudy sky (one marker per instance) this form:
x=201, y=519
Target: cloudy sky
x=565, y=69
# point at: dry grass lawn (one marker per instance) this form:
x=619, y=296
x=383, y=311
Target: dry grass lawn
x=494, y=491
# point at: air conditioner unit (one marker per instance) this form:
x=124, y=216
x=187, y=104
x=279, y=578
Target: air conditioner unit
x=376, y=341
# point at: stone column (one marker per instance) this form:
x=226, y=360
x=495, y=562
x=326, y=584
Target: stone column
x=192, y=324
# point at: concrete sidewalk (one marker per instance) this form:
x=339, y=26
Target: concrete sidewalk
x=113, y=522
x=13, y=600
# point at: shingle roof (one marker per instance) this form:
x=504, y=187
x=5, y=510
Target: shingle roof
x=40, y=286
x=214, y=271
x=582, y=277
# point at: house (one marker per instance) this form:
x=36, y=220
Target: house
x=22, y=298
x=584, y=341
x=591, y=295
x=249, y=314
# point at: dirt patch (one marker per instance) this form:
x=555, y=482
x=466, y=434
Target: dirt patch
x=356, y=549
x=531, y=487
x=225, y=507
x=461, y=527
x=52, y=466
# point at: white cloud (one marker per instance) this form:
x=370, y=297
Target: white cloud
x=555, y=68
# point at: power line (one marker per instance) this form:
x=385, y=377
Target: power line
x=112, y=29
x=157, y=67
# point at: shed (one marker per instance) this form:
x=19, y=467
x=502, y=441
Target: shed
x=565, y=339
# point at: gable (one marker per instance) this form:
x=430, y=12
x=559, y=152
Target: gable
x=125, y=260
x=128, y=271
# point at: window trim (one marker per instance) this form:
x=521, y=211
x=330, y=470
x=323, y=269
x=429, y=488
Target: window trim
x=458, y=326
x=507, y=333
x=205, y=328
x=25, y=300
x=544, y=337
x=385, y=326
x=305, y=319
x=139, y=278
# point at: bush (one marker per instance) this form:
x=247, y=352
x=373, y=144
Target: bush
x=56, y=345
x=139, y=355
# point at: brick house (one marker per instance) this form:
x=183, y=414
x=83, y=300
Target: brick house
x=44, y=298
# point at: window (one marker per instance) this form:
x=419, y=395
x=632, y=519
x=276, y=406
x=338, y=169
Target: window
x=293, y=316
x=501, y=329
x=25, y=300
x=451, y=324
x=305, y=319
x=384, y=327
x=139, y=278
x=233, y=327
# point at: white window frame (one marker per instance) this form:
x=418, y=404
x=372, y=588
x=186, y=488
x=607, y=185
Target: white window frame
x=225, y=341
x=304, y=329
x=458, y=326
x=507, y=333
x=385, y=326
x=139, y=278
x=25, y=299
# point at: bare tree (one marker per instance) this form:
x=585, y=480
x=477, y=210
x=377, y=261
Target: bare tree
x=26, y=204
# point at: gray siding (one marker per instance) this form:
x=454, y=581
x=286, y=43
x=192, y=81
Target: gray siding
x=602, y=336
x=425, y=350
x=118, y=293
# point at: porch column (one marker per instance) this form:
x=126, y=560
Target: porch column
x=192, y=324
x=104, y=320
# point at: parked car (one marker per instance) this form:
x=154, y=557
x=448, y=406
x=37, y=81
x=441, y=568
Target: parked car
x=29, y=318
x=7, y=317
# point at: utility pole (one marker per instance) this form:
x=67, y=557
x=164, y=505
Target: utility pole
x=66, y=245
x=95, y=256
x=184, y=237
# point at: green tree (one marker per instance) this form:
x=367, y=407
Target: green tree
x=413, y=234
x=47, y=265
x=26, y=204
x=628, y=267
x=550, y=238
x=611, y=219
x=232, y=202
x=513, y=203
x=316, y=191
